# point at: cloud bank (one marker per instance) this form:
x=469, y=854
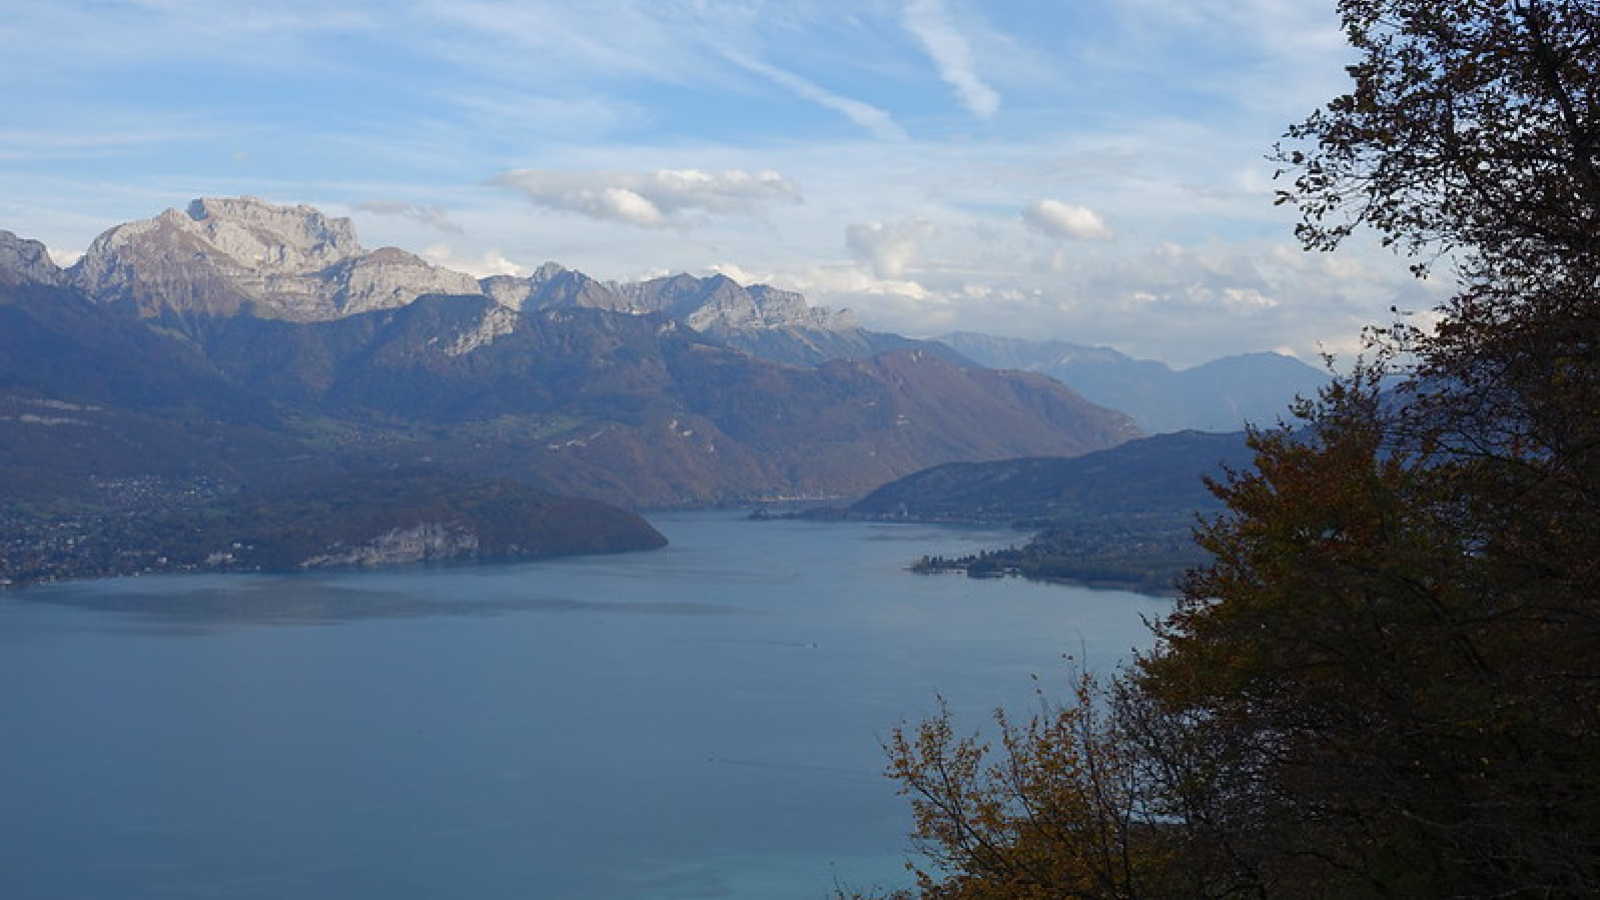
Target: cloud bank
x=657, y=199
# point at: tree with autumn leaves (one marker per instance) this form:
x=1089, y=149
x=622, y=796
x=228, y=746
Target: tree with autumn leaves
x=1386, y=683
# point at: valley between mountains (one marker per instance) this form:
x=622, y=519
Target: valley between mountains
x=241, y=385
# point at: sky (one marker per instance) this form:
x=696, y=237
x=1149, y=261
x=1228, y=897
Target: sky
x=1091, y=171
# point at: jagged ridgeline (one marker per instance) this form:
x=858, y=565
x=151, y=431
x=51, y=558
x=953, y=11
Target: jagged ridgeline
x=237, y=346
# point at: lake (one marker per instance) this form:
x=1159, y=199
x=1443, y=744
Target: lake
x=697, y=722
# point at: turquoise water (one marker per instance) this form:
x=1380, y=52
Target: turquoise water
x=698, y=722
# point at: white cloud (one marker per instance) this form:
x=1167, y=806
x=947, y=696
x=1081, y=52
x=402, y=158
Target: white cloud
x=929, y=22
x=1055, y=219
x=483, y=265
x=851, y=288
x=624, y=205
x=888, y=249
x=840, y=287
x=664, y=197
x=737, y=273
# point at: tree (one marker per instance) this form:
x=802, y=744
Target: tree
x=1070, y=804
x=1471, y=125
x=1387, y=681
x=1406, y=598
x=1407, y=713
x=1472, y=134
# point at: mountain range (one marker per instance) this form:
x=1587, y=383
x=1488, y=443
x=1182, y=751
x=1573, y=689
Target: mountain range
x=236, y=347
x=1222, y=395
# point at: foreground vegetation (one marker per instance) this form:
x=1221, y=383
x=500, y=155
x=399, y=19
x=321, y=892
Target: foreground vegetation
x=1386, y=681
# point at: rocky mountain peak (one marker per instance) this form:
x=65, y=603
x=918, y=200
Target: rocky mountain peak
x=548, y=271
x=24, y=261
x=551, y=286
x=223, y=257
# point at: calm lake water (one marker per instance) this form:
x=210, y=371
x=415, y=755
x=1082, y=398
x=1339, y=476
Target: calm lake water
x=698, y=722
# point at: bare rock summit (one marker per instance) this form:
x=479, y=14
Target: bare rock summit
x=720, y=306
x=225, y=257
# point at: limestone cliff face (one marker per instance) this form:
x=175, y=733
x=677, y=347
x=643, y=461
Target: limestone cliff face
x=272, y=239
x=222, y=257
x=788, y=308
x=387, y=278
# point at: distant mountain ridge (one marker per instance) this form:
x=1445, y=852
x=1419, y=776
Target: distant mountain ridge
x=1155, y=475
x=1222, y=395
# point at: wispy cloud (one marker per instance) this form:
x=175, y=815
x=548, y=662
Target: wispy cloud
x=869, y=117
x=930, y=23
x=664, y=197
x=67, y=142
x=432, y=216
x=113, y=36
x=542, y=40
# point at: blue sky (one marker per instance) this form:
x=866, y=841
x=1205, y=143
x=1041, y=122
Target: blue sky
x=1088, y=170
